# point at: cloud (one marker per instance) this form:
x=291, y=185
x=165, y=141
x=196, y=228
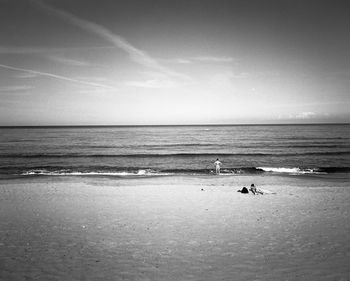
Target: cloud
x=92, y=91
x=93, y=78
x=8, y=50
x=227, y=79
x=26, y=75
x=24, y=50
x=241, y=75
x=137, y=55
x=177, y=61
x=152, y=83
x=209, y=59
x=30, y=71
x=68, y=61
x=154, y=80
x=302, y=115
x=309, y=116
x=15, y=88
x=305, y=115
x=214, y=59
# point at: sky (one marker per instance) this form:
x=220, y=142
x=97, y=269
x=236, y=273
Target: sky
x=162, y=62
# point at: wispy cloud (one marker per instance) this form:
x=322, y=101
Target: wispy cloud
x=154, y=80
x=152, y=83
x=137, y=55
x=206, y=59
x=30, y=71
x=177, y=61
x=241, y=75
x=306, y=115
x=11, y=89
x=96, y=79
x=303, y=115
x=8, y=50
x=214, y=59
x=93, y=91
x=24, y=50
x=68, y=61
x=26, y=75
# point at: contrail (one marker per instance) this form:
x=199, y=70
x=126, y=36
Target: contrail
x=56, y=76
x=137, y=55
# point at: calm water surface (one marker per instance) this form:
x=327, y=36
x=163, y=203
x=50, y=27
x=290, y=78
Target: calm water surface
x=175, y=149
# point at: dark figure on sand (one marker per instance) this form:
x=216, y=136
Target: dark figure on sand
x=253, y=189
x=256, y=190
x=244, y=190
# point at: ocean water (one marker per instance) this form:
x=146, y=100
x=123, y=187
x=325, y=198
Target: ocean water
x=169, y=150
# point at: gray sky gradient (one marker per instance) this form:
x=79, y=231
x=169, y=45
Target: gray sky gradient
x=173, y=62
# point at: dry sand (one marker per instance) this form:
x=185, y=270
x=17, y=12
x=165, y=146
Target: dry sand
x=169, y=229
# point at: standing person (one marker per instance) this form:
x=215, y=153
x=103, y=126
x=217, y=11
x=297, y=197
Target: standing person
x=217, y=164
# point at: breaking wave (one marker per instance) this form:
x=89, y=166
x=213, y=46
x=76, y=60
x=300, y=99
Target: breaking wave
x=144, y=172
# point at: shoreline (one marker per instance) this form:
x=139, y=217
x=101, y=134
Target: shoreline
x=312, y=180
x=167, y=228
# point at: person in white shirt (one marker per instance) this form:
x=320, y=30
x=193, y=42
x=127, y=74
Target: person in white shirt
x=217, y=164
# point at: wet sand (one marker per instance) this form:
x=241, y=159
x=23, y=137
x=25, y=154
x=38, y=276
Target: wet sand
x=168, y=228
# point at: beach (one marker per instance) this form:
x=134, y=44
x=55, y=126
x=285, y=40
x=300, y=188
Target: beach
x=131, y=131
x=174, y=228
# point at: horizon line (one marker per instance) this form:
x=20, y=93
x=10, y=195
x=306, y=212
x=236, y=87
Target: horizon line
x=171, y=125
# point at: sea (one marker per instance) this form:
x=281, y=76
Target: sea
x=142, y=151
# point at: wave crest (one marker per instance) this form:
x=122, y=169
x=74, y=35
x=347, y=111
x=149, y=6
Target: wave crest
x=144, y=172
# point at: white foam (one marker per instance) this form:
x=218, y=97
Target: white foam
x=67, y=173
x=289, y=170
